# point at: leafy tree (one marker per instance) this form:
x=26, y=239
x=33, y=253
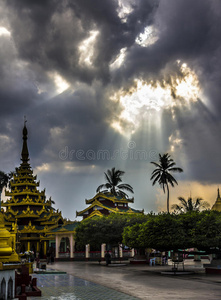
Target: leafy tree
x=162, y=173
x=201, y=230
x=113, y=183
x=190, y=205
x=106, y=229
x=131, y=236
x=4, y=178
x=162, y=232
x=206, y=234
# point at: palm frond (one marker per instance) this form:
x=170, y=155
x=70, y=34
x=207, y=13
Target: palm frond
x=156, y=164
x=126, y=187
x=157, y=177
x=175, y=170
x=113, y=178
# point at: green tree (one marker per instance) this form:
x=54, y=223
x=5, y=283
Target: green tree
x=190, y=205
x=161, y=232
x=201, y=230
x=206, y=234
x=113, y=183
x=162, y=173
x=4, y=178
x=106, y=229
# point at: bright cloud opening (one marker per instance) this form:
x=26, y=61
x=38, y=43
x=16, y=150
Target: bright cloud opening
x=175, y=141
x=151, y=98
x=119, y=60
x=188, y=86
x=125, y=7
x=86, y=49
x=148, y=37
x=60, y=83
x=4, y=31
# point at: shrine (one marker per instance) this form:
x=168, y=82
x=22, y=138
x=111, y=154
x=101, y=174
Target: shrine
x=217, y=204
x=37, y=224
x=104, y=203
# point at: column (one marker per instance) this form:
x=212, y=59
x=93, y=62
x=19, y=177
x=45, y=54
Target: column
x=57, y=246
x=38, y=247
x=120, y=250
x=71, y=246
x=87, y=253
x=28, y=245
x=103, y=249
x=132, y=252
x=45, y=248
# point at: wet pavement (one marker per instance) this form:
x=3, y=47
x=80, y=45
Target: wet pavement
x=91, y=280
x=68, y=287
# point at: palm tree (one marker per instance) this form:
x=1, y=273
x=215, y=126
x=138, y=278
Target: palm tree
x=113, y=183
x=162, y=173
x=4, y=178
x=190, y=205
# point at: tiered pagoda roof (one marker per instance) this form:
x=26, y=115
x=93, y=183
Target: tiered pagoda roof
x=105, y=203
x=27, y=206
x=217, y=204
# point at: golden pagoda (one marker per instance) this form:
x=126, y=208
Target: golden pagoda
x=27, y=210
x=217, y=204
x=105, y=203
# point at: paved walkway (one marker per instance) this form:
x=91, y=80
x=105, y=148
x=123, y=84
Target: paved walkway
x=89, y=280
x=68, y=287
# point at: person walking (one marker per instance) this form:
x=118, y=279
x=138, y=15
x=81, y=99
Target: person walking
x=108, y=258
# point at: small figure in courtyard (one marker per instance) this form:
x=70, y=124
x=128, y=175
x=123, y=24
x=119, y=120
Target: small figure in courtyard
x=108, y=258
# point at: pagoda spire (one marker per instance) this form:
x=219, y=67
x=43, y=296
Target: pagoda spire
x=25, y=153
x=218, y=195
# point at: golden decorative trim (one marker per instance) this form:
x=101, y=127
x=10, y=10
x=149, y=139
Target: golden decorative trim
x=29, y=227
x=95, y=213
x=112, y=198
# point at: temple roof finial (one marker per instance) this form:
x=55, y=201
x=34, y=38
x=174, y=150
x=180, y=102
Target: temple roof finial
x=25, y=153
x=218, y=196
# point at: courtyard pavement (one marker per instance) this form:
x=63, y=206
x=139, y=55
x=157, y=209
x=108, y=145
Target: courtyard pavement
x=91, y=280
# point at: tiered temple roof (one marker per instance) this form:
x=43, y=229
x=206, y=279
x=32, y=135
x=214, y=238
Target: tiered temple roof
x=27, y=208
x=217, y=204
x=105, y=203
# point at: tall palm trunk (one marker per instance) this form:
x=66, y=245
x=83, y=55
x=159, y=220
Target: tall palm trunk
x=168, y=196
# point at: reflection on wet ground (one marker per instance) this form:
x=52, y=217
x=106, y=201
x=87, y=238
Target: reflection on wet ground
x=68, y=287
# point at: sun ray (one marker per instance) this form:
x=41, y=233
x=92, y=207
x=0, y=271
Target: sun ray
x=147, y=99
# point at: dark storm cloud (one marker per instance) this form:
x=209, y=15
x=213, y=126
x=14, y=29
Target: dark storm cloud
x=49, y=33
x=45, y=40
x=188, y=31
x=74, y=120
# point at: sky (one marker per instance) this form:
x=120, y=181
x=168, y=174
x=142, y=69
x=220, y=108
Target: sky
x=112, y=83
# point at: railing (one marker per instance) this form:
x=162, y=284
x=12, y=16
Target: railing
x=64, y=254
x=127, y=253
x=95, y=254
x=79, y=254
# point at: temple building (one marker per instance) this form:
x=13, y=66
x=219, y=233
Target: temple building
x=39, y=226
x=217, y=204
x=105, y=203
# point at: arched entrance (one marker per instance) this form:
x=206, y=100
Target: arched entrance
x=64, y=245
x=10, y=289
x=3, y=289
